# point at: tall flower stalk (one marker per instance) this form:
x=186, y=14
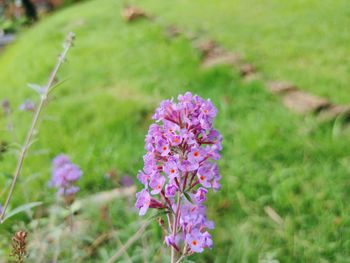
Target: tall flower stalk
x=179, y=168
x=44, y=94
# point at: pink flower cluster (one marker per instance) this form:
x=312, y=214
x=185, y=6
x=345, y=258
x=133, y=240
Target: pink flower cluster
x=64, y=175
x=179, y=168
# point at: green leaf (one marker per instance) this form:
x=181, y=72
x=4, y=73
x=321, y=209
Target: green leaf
x=188, y=197
x=21, y=209
x=159, y=214
x=37, y=88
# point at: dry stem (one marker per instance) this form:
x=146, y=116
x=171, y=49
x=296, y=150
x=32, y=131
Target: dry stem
x=131, y=240
x=43, y=99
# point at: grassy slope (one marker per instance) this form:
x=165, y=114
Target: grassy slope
x=119, y=73
x=305, y=42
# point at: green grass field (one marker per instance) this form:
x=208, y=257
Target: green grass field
x=302, y=41
x=117, y=74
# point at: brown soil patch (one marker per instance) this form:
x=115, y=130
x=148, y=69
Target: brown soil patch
x=247, y=69
x=281, y=87
x=214, y=55
x=131, y=13
x=303, y=103
x=335, y=111
x=221, y=59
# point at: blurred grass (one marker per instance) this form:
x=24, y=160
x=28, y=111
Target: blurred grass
x=304, y=42
x=117, y=74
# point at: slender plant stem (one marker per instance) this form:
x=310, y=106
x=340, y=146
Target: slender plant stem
x=131, y=240
x=181, y=258
x=71, y=219
x=170, y=224
x=176, y=215
x=30, y=134
x=183, y=254
x=172, y=254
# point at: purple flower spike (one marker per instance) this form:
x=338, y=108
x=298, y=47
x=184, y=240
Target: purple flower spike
x=60, y=160
x=170, y=190
x=143, y=201
x=143, y=178
x=64, y=175
x=171, y=169
x=195, y=241
x=157, y=183
x=163, y=147
x=180, y=168
x=201, y=195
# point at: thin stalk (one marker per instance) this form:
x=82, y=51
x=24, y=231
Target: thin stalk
x=176, y=215
x=172, y=254
x=30, y=134
x=130, y=241
x=181, y=258
x=183, y=254
x=170, y=224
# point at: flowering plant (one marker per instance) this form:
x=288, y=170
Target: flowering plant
x=64, y=175
x=179, y=168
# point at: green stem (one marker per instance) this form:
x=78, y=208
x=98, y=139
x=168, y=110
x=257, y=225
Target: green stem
x=175, y=222
x=28, y=140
